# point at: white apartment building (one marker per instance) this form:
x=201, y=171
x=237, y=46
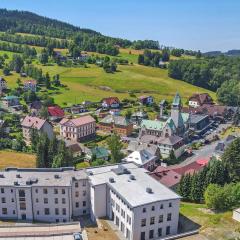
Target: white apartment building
x=141, y=207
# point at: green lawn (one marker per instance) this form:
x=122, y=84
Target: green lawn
x=213, y=225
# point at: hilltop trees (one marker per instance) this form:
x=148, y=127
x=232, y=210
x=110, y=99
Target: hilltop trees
x=17, y=63
x=150, y=58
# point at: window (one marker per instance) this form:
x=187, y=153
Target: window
x=55, y=191
x=63, y=191
x=22, y=206
x=76, y=184
x=84, y=183
x=129, y=220
x=84, y=211
x=117, y=207
x=64, y=212
x=36, y=200
x=45, y=191
x=77, y=205
x=76, y=194
x=142, y=235
x=159, y=232
x=152, y=220
x=127, y=233
x=117, y=221
x=84, y=203
x=14, y=212
x=2, y=190
x=36, y=190
x=21, y=193
x=153, y=208
x=160, y=220
x=143, y=222
x=168, y=230
x=3, y=200
x=45, y=200
x=63, y=200
x=12, y=200
x=161, y=206
x=56, y=200
x=56, y=211
x=84, y=193
x=4, y=211
x=37, y=212
x=11, y=190
x=169, y=217
x=46, y=211
x=170, y=204
x=122, y=213
x=151, y=234
x=144, y=210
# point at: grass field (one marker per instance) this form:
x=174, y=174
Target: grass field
x=15, y=159
x=213, y=226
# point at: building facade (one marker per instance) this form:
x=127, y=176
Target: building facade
x=59, y=195
x=3, y=85
x=30, y=123
x=78, y=129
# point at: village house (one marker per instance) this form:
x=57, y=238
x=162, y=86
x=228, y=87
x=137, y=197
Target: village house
x=199, y=99
x=110, y=102
x=142, y=158
x=30, y=85
x=199, y=123
x=10, y=101
x=35, y=107
x=99, y=153
x=74, y=147
x=146, y=100
x=138, y=117
x=34, y=123
x=171, y=176
x=117, y=124
x=55, y=113
x=78, y=129
x=3, y=85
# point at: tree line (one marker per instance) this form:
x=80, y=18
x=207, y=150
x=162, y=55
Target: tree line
x=219, y=74
x=151, y=58
x=196, y=187
x=40, y=41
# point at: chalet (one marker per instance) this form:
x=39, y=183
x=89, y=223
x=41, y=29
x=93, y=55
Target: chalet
x=142, y=158
x=111, y=102
x=10, y=101
x=55, y=113
x=78, y=129
x=197, y=100
x=30, y=85
x=34, y=123
x=146, y=100
x=117, y=124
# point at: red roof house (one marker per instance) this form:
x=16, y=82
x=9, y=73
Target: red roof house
x=55, y=113
x=111, y=102
x=199, y=99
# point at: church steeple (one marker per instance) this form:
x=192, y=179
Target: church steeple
x=177, y=102
x=176, y=112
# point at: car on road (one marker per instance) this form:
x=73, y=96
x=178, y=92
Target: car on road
x=77, y=236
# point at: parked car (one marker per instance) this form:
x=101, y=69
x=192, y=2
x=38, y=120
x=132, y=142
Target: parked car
x=77, y=236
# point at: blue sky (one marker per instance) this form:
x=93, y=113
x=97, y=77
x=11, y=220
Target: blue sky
x=190, y=24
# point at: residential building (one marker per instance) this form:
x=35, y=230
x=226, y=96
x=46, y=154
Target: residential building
x=10, y=101
x=55, y=113
x=30, y=123
x=199, y=99
x=35, y=107
x=100, y=153
x=117, y=124
x=199, y=123
x=146, y=100
x=75, y=147
x=170, y=176
x=110, y=102
x=59, y=195
x=78, y=129
x=138, y=117
x=3, y=85
x=30, y=85
x=142, y=158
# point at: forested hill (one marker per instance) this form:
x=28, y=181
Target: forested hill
x=27, y=22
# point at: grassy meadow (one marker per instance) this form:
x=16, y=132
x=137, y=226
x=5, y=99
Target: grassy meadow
x=16, y=159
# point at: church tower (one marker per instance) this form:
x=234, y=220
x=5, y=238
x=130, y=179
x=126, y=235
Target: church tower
x=176, y=113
